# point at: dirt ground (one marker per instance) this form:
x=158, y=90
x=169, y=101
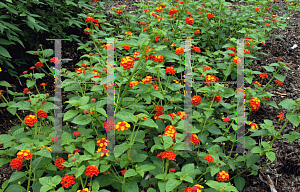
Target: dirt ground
x=285, y=170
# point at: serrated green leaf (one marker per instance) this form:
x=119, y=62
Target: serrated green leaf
x=148, y=123
x=89, y=146
x=293, y=118
x=70, y=114
x=79, y=171
x=271, y=155
x=172, y=184
x=130, y=173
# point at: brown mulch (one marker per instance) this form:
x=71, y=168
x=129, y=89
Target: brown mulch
x=285, y=170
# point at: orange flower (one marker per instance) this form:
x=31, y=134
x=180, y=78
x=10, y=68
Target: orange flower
x=127, y=63
x=263, y=75
x=196, y=49
x=38, y=65
x=102, y=151
x=256, y=82
x=119, y=12
x=110, y=126
x=236, y=60
x=158, y=9
x=217, y=98
x=189, y=20
x=102, y=142
x=253, y=125
x=222, y=176
x=158, y=108
x=167, y=155
x=205, y=68
x=76, y=151
x=87, y=31
x=209, y=158
x=280, y=115
x=279, y=82
x=170, y=130
x=257, y=9
x=133, y=83
x=155, y=87
x=121, y=126
x=128, y=33
x=177, y=81
x=126, y=47
x=210, y=16
x=193, y=138
x=179, y=50
x=232, y=49
x=16, y=164
x=0, y=69
x=30, y=120
x=135, y=54
x=25, y=90
x=147, y=79
x=58, y=163
x=158, y=58
x=172, y=115
x=43, y=84
x=81, y=71
x=254, y=104
x=182, y=115
x=142, y=117
x=67, y=181
x=157, y=38
x=112, y=8
x=274, y=20
x=173, y=12
x=196, y=100
x=211, y=78
x=267, y=24
x=89, y=19
x=123, y=172
x=170, y=70
x=91, y=170
x=246, y=51
x=41, y=114
x=24, y=154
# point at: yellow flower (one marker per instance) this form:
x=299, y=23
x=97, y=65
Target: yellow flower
x=121, y=126
x=128, y=33
x=253, y=125
x=0, y=69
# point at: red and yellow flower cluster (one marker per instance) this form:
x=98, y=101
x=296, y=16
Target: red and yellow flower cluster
x=102, y=151
x=121, y=126
x=193, y=138
x=127, y=63
x=254, y=104
x=216, y=98
x=41, y=114
x=209, y=158
x=110, y=126
x=30, y=120
x=196, y=100
x=58, y=163
x=170, y=130
x=222, y=176
x=170, y=70
x=159, y=112
x=91, y=170
x=67, y=181
x=21, y=155
x=167, y=155
x=195, y=188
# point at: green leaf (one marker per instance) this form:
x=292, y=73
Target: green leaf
x=4, y=161
x=271, y=155
x=120, y=149
x=148, y=123
x=214, y=170
x=48, y=52
x=239, y=183
x=130, y=186
x=277, y=35
x=147, y=167
x=96, y=186
x=273, y=104
x=30, y=83
x=188, y=169
x=45, y=188
x=125, y=116
x=130, y=173
x=82, y=119
x=156, y=93
x=214, y=130
x=288, y=104
x=292, y=136
x=214, y=184
x=39, y=75
x=142, y=39
x=220, y=139
x=17, y=175
x=162, y=186
x=168, y=142
x=172, y=184
x=66, y=137
x=279, y=77
x=103, y=168
x=79, y=171
x=4, y=52
x=89, y=146
x=293, y=118
x=252, y=159
x=268, y=68
x=56, y=179
x=208, y=112
x=231, y=163
x=5, y=84
x=44, y=153
x=166, y=53
x=102, y=111
x=69, y=114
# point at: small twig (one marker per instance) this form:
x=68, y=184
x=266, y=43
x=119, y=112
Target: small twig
x=271, y=184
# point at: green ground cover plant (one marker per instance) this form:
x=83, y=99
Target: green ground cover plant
x=149, y=121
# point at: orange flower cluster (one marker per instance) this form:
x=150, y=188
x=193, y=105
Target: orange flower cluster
x=142, y=117
x=263, y=75
x=119, y=12
x=173, y=12
x=170, y=130
x=127, y=63
x=16, y=164
x=123, y=172
x=158, y=58
x=210, y=16
x=155, y=87
x=91, y=170
x=176, y=81
x=159, y=112
x=279, y=82
x=121, y=126
x=58, y=163
x=246, y=51
x=30, y=120
x=189, y=20
x=232, y=49
x=197, y=32
x=38, y=65
x=81, y=71
x=196, y=100
x=205, y=68
x=254, y=104
x=167, y=155
x=280, y=115
x=170, y=70
x=41, y=114
x=195, y=188
x=133, y=83
x=222, y=176
x=135, y=54
x=102, y=142
x=26, y=90
x=147, y=79
x=87, y=31
x=102, y=151
x=236, y=60
x=54, y=60
x=128, y=33
x=49, y=148
x=24, y=154
x=253, y=125
x=217, y=98
x=257, y=83
x=179, y=50
x=182, y=115
x=209, y=159
x=110, y=126
x=126, y=47
x=67, y=181
x=211, y=78
x=193, y=138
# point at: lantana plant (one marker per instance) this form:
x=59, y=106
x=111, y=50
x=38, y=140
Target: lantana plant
x=150, y=139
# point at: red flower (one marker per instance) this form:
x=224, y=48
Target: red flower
x=288, y=65
x=263, y=43
x=89, y=19
x=54, y=139
x=67, y=181
x=196, y=49
x=172, y=169
x=279, y=82
x=167, y=155
x=111, y=125
x=25, y=90
x=222, y=176
x=119, y=12
x=54, y=60
x=93, y=100
x=30, y=120
x=87, y=31
x=16, y=164
x=91, y=170
x=267, y=24
x=280, y=115
x=123, y=172
x=189, y=20
x=210, y=16
x=76, y=133
x=32, y=67
x=209, y=158
x=143, y=23
x=58, y=163
x=263, y=75
x=196, y=100
x=38, y=65
x=41, y=114
x=24, y=72
x=280, y=58
x=43, y=84
x=217, y=98
x=225, y=119
x=126, y=47
x=170, y=70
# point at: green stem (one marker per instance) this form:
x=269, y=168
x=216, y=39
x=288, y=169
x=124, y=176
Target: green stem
x=29, y=177
x=181, y=13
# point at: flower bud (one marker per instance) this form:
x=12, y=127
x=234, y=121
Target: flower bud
x=171, y=100
x=67, y=73
x=94, y=158
x=178, y=137
x=83, y=141
x=41, y=133
x=19, y=183
x=117, y=159
x=186, y=174
x=90, y=54
x=47, y=94
x=73, y=159
x=181, y=179
x=159, y=136
x=129, y=159
x=85, y=111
